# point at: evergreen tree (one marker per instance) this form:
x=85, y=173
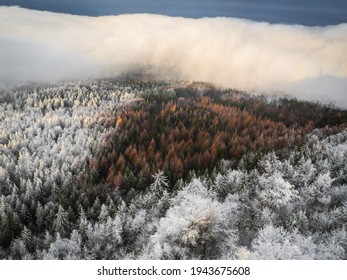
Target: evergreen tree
x=61, y=224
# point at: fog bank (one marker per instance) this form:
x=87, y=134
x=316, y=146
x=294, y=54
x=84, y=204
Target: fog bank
x=253, y=56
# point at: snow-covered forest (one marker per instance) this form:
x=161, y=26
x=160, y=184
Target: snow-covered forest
x=64, y=194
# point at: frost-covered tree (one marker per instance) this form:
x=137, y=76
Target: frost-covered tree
x=159, y=184
x=275, y=191
x=61, y=224
x=194, y=226
x=64, y=248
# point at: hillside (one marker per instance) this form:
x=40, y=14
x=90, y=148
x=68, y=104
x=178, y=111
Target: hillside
x=95, y=169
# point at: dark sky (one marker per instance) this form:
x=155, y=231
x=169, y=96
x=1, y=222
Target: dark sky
x=307, y=12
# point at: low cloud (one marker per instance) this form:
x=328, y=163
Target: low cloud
x=253, y=56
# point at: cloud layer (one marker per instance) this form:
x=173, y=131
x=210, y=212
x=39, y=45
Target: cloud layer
x=231, y=52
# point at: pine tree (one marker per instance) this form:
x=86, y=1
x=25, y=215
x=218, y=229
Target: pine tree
x=26, y=236
x=94, y=211
x=104, y=213
x=40, y=216
x=83, y=224
x=61, y=222
x=160, y=182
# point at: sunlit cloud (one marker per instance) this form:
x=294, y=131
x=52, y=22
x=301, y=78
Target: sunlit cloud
x=230, y=52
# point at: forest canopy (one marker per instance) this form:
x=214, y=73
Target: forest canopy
x=149, y=170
